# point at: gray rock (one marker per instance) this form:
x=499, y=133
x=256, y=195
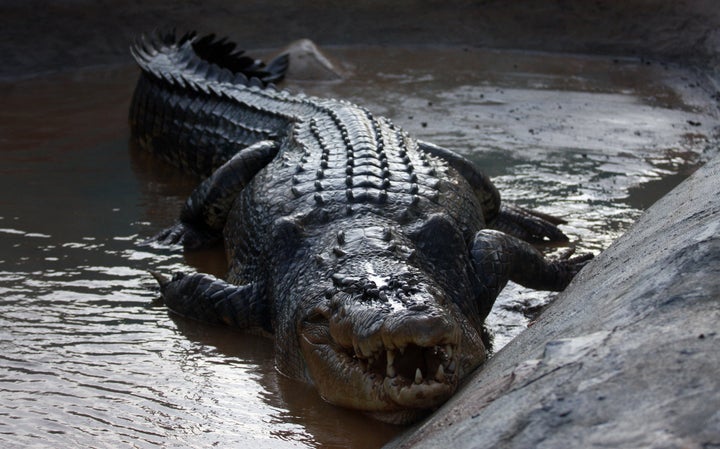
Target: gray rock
x=627, y=356
x=308, y=63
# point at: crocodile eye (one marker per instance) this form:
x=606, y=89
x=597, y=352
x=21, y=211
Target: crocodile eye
x=286, y=230
x=319, y=315
x=287, y=234
x=316, y=318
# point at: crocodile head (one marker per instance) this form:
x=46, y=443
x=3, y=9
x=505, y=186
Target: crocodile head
x=386, y=341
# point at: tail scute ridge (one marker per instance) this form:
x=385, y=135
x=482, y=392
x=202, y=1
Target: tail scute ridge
x=164, y=56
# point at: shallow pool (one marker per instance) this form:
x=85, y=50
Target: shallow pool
x=87, y=358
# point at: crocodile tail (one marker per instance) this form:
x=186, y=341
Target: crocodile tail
x=277, y=68
x=199, y=100
x=210, y=58
x=222, y=53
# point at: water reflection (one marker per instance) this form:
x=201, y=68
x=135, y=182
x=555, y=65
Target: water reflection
x=87, y=358
x=294, y=412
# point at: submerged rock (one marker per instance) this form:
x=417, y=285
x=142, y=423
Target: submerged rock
x=626, y=357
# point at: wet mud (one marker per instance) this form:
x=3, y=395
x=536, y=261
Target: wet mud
x=88, y=358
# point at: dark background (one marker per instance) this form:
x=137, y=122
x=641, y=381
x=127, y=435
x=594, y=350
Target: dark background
x=39, y=36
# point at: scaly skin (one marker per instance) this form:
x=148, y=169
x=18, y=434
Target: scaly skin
x=367, y=254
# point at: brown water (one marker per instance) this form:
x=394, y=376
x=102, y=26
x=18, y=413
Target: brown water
x=87, y=359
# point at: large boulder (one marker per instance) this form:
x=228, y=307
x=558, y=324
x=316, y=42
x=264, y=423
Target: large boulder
x=627, y=356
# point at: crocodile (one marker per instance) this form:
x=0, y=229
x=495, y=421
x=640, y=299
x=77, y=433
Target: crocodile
x=372, y=258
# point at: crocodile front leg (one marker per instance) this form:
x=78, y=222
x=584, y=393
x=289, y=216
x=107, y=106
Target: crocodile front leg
x=498, y=257
x=482, y=186
x=205, y=298
x=529, y=225
x=203, y=216
x=525, y=224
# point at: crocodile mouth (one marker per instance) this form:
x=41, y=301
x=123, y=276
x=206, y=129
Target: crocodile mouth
x=384, y=374
x=413, y=376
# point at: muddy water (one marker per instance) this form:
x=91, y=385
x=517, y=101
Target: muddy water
x=88, y=359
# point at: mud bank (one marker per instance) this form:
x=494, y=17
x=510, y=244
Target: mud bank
x=625, y=357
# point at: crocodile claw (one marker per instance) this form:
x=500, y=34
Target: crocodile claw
x=568, y=267
x=161, y=279
x=182, y=234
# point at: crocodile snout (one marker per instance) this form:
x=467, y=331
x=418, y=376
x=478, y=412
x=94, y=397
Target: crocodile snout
x=371, y=331
x=388, y=348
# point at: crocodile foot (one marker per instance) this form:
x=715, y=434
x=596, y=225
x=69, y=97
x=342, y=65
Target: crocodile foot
x=182, y=234
x=567, y=266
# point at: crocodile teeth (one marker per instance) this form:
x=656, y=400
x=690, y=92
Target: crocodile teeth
x=390, y=367
x=366, y=349
x=440, y=374
x=418, y=376
x=449, y=351
x=451, y=366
